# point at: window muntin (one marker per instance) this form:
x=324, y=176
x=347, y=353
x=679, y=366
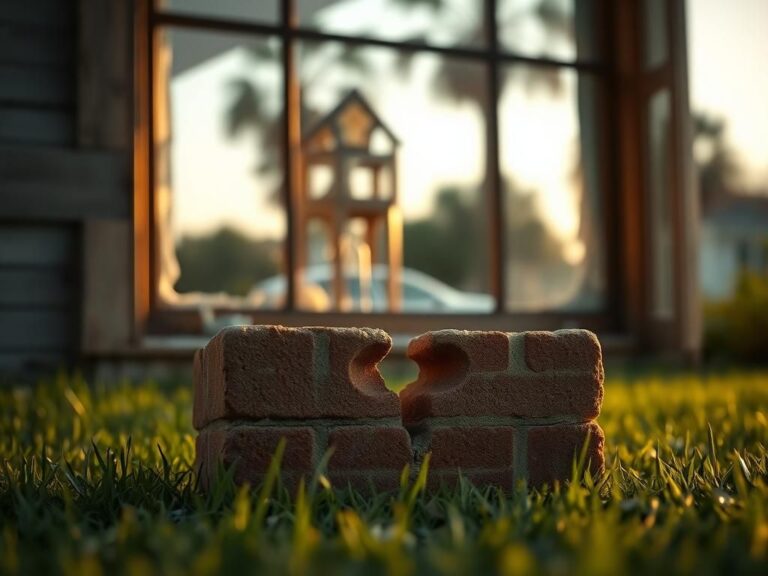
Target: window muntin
x=655, y=26
x=484, y=59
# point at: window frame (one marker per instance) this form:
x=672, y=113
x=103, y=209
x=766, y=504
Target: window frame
x=152, y=316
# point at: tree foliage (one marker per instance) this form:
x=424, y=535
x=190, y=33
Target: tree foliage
x=225, y=261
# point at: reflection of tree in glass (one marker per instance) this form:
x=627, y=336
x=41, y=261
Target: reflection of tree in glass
x=451, y=245
x=248, y=113
x=526, y=229
x=447, y=245
x=225, y=261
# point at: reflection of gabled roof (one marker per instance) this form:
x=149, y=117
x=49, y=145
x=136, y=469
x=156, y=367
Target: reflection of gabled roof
x=352, y=97
x=740, y=211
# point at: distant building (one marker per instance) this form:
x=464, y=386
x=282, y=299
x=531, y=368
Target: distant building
x=734, y=237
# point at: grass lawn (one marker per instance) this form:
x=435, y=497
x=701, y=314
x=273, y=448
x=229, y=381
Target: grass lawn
x=97, y=480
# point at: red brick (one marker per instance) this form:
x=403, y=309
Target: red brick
x=516, y=396
x=361, y=448
x=250, y=450
x=254, y=372
x=355, y=387
x=562, y=350
x=478, y=351
x=260, y=372
x=471, y=447
x=552, y=450
x=447, y=387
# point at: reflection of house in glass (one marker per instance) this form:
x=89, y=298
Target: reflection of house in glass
x=349, y=189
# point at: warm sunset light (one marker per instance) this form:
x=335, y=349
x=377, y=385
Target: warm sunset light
x=384, y=287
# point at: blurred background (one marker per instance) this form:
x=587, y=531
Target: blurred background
x=408, y=164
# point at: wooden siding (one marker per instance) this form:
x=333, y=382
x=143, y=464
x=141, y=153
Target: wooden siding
x=55, y=184
x=37, y=63
x=38, y=296
x=39, y=266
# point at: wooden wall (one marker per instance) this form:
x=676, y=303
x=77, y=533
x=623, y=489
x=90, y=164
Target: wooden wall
x=63, y=173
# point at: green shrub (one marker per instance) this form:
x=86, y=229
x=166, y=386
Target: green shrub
x=737, y=329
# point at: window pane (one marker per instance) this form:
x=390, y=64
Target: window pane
x=660, y=182
x=446, y=22
x=562, y=29
x=218, y=170
x=549, y=133
x=429, y=111
x=267, y=11
x=655, y=22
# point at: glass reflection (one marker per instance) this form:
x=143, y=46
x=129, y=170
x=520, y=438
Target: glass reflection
x=445, y=22
x=659, y=195
x=563, y=29
x=430, y=112
x=218, y=100
x=267, y=11
x=549, y=142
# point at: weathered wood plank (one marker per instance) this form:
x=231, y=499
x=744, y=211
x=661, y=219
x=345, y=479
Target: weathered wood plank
x=105, y=74
x=107, y=285
x=83, y=167
x=36, y=287
x=45, y=13
x=31, y=44
x=36, y=245
x=43, y=127
x=36, y=85
x=63, y=202
x=64, y=184
x=36, y=330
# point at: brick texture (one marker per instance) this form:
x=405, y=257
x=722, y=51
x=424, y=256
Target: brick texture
x=368, y=456
x=456, y=378
x=253, y=372
x=494, y=407
x=249, y=449
x=482, y=454
x=553, y=449
x=369, y=448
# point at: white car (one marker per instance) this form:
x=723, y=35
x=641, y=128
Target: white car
x=420, y=292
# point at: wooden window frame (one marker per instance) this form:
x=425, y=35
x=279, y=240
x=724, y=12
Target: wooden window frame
x=151, y=317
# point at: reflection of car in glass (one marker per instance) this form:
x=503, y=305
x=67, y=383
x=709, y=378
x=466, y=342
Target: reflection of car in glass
x=420, y=292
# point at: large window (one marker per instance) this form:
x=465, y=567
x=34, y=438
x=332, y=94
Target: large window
x=404, y=158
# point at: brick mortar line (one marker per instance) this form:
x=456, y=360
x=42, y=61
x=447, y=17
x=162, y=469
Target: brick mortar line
x=486, y=421
x=520, y=456
x=375, y=472
x=464, y=470
x=516, y=363
x=321, y=446
x=383, y=422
